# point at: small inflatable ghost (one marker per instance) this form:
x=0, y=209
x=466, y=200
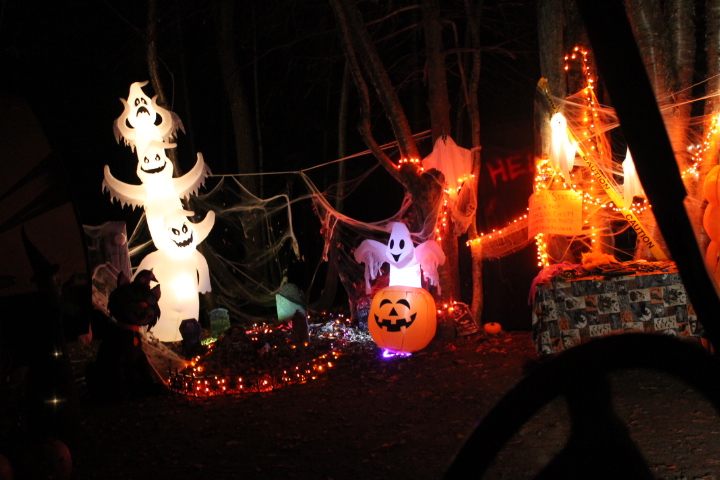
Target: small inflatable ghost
x=562, y=150
x=407, y=262
x=631, y=182
x=143, y=120
x=181, y=270
x=159, y=193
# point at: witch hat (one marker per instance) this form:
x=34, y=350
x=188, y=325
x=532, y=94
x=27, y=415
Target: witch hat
x=40, y=265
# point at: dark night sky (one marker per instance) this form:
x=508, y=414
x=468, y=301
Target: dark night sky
x=72, y=60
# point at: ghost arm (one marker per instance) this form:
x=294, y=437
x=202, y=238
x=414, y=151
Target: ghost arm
x=372, y=254
x=430, y=255
x=203, y=228
x=170, y=122
x=125, y=193
x=192, y=180
x=121, y=129
x=203, y=273
x=150, y=261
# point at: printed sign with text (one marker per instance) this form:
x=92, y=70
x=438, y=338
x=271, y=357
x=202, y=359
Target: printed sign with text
x=557, y=212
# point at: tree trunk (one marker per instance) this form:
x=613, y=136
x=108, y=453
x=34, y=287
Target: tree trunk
x=153, y=63
x=712, y=50
x=367, y=53
x=439, y=109
x=473, y=13
x=242, y=126
x=550, y=37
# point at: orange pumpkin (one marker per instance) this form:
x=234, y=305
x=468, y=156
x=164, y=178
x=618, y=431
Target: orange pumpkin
x=402, y=319
x=493, y=328
x=711, y=222
x=712, y=257
x=711, y=186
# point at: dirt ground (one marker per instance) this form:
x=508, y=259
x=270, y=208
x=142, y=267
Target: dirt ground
x=375, y=418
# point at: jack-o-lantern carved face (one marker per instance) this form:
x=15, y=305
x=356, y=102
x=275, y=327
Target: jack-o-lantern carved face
x=153, y=163
x=402, y=319
x=395, y=322
x=400, y=250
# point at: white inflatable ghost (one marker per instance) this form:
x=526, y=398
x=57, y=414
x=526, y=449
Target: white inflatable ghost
x=631, y=182
x=139, y=123
x=562, y=150
x=182, y=272
x=407, y=262
x=159, y=193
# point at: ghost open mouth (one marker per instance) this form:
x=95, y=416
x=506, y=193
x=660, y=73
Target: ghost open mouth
x=155, y=170
x=142, y=110
x=184, y=243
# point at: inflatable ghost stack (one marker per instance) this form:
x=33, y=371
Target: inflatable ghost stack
x=402, y=317
x=180, y=269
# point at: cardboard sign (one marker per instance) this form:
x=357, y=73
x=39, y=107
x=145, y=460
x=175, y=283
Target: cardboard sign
x=557, y=212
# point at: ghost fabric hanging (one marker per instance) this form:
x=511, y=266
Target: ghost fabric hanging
x=455, y=163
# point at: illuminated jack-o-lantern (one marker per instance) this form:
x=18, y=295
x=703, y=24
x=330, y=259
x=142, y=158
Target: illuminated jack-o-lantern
x=402, y=319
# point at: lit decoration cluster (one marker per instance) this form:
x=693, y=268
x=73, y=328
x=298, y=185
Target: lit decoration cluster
x=177, y=264
x=410, y=161
x=698, y=151
x=194, y=383
x=589, y=114
x=596, y=183
x=263, y=359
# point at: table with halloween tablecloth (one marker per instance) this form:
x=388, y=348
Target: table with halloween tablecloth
x=575, y=306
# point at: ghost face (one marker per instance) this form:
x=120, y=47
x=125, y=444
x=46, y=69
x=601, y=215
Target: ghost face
x=181, y=237
x=400, y=250
x=154, y=164
x=142, y=113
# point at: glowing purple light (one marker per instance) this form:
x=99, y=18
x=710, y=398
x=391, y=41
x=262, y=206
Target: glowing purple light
x=391, y=353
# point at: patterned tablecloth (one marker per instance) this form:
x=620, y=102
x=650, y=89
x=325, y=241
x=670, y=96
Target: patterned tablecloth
x=645, y=297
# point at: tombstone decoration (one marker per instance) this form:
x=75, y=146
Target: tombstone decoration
x=219, y=321
x=191, y=332
x=121, y=369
